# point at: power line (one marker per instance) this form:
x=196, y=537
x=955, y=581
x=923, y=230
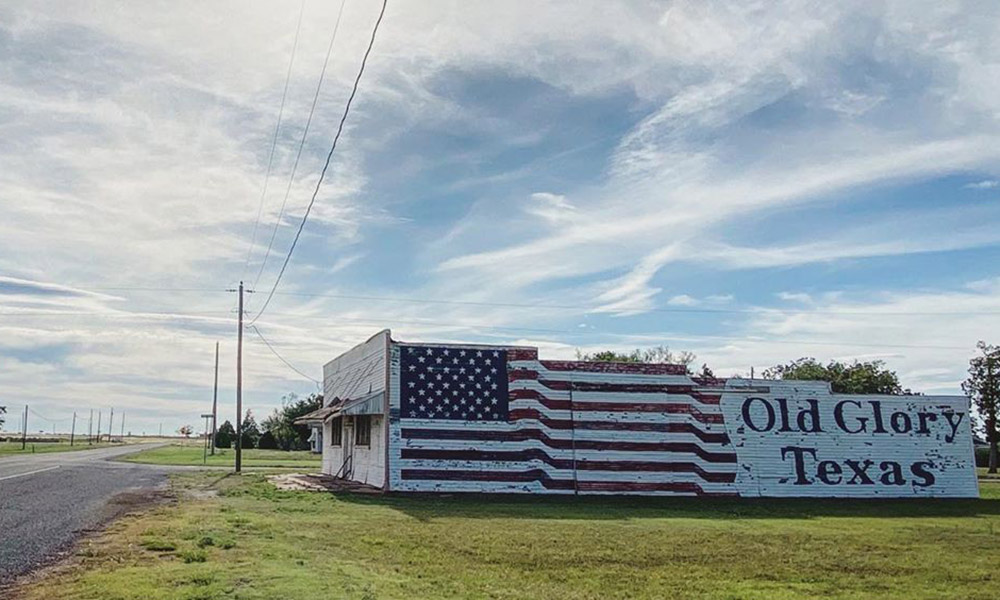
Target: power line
x=302, y=143
x=274, y=140
x=326, y=165
x=281, y=358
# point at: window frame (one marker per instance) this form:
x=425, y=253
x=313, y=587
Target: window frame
x=337, y=432
x=363, y=431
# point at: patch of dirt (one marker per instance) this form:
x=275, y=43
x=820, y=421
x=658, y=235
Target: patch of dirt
x=320, y=483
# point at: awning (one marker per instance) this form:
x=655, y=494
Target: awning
x=317, y=417
x=369, y=404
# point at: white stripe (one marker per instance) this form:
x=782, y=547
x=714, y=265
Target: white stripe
x=567, y=454
x=594, y=435
x=29, y=473
x=617, y=417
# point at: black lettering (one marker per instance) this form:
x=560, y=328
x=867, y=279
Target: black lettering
x=877, y=413
x=892, y=473
x=813, y=413
x=838, y=416
x=749, y=421
x=800, y=462
x=922, y=470
x=783, y=413
x=954, y=424
x=923, y=418
x=825, y=469
x=860, y=472
x=901, y=422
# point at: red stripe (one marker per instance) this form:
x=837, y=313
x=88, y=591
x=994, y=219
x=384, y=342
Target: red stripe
x=522, y=354
x=651, y=407
x=614, y=367
x=566, y=424
x=549, y=482
x=568, y=463
x=521, y=435
x=626, y=388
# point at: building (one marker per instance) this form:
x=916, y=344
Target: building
x=473, y=418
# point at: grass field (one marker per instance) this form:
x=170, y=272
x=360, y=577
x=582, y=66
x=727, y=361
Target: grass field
x=252, y=541
x=10, y=448
x=189, y=454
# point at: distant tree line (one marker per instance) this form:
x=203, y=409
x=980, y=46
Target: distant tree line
x=276, y=432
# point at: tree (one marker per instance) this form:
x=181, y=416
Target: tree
x=659, y=354
x=281, y=423
x=186, y=430
x=870, y=377
x=225, y=435
x=267, y=441
x=251, y=433
x=3, y=411
x=983, y=386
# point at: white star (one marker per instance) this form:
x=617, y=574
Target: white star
x=479, y=353
x=421, y=358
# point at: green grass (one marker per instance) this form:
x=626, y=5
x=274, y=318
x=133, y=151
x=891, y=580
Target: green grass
x=9, y=448
x=186, y=454
x=252, y=541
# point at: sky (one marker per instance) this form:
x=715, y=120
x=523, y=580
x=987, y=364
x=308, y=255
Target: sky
x=750, y=181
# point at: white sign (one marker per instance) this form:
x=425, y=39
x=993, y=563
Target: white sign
x=804, y=441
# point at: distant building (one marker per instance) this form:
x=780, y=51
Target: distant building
x=429, y=417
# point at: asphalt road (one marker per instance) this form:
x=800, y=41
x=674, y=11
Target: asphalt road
x=47, y=500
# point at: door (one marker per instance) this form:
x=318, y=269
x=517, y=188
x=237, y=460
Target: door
x=348, y=441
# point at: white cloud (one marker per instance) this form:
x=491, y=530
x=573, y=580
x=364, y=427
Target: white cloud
x=682, y=300
x=986, y=184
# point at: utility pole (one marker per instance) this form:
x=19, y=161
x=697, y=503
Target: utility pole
x=98, y=427
x=111, y=423
x=24, y=432
x=215, y=396
x=90, y=428
x=121, y=436
x=239, y=384
x=72, y=431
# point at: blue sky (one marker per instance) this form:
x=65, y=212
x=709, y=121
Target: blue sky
x=753, y=182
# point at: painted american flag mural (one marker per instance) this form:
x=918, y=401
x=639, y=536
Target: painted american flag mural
x=484, y=419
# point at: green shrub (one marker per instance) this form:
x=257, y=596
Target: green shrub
x=193, y=556
x=158, y=545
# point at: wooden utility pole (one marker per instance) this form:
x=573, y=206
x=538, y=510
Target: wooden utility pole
x=215, y=396
x=90, y=428
x=99, y=427
x=239, y=384
x=111, y=423
x=72, y=430
x=121, y=436
x=24, y=432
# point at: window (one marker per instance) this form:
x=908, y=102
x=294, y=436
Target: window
x=363, y=430
x=337, y=432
